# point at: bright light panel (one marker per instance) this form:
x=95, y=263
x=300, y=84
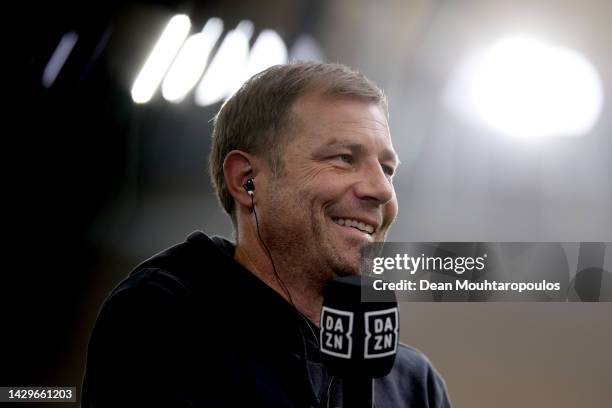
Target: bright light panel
x=529, y=89
x=59, y=57
x=269, y=49
x=160, y=58
x=227, y=65
x=191, y=61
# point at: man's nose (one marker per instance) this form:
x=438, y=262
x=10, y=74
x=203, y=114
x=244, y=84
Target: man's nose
x=374, y=185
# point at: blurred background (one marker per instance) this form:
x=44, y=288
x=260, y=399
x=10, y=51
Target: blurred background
x=500, y=112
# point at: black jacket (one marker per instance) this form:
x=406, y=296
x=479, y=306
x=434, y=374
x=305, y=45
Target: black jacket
x=191, y=327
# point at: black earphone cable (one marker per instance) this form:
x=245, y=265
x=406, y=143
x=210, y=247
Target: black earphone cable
x=276, y=275
x=282, y=284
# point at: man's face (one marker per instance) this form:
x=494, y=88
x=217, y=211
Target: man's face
x=335, y=193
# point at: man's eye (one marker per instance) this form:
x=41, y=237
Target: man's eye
x=389, y=171
x=347, y=158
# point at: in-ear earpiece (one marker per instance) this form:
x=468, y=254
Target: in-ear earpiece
x=249, y=186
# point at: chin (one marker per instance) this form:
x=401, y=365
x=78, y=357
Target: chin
x=348, y=268
x=343, y=273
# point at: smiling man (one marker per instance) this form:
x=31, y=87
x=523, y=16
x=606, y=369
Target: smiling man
x=302, y=161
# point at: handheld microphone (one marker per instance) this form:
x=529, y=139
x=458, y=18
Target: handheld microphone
x=358, y=340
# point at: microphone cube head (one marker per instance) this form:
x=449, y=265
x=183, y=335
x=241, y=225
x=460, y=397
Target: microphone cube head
x=357, y=338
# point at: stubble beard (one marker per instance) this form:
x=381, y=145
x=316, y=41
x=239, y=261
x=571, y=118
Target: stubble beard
x=296, y=247
x=301, y=252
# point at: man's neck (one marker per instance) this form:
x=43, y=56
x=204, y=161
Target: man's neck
x=294, y=287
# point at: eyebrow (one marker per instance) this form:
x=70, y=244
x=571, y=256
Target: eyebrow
x=386, y=154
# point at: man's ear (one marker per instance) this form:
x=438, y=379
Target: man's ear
x=238, y=167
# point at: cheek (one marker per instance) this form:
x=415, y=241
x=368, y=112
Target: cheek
x=391, y=209
x=307, y=173
x=323, y=186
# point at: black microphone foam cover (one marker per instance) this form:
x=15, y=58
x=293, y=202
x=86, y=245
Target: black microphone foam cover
x=358, y=339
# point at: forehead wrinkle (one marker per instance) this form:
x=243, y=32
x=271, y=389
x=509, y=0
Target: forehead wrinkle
x=371, y=124
x=338, y=126
x=356, y=127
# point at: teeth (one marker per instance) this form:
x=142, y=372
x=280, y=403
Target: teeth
x=355, y=224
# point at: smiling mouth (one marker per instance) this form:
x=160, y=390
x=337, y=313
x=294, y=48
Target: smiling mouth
x=358, y=225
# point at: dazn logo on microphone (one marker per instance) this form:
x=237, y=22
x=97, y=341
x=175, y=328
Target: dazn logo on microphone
x=381, y=328
x=336, y=330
